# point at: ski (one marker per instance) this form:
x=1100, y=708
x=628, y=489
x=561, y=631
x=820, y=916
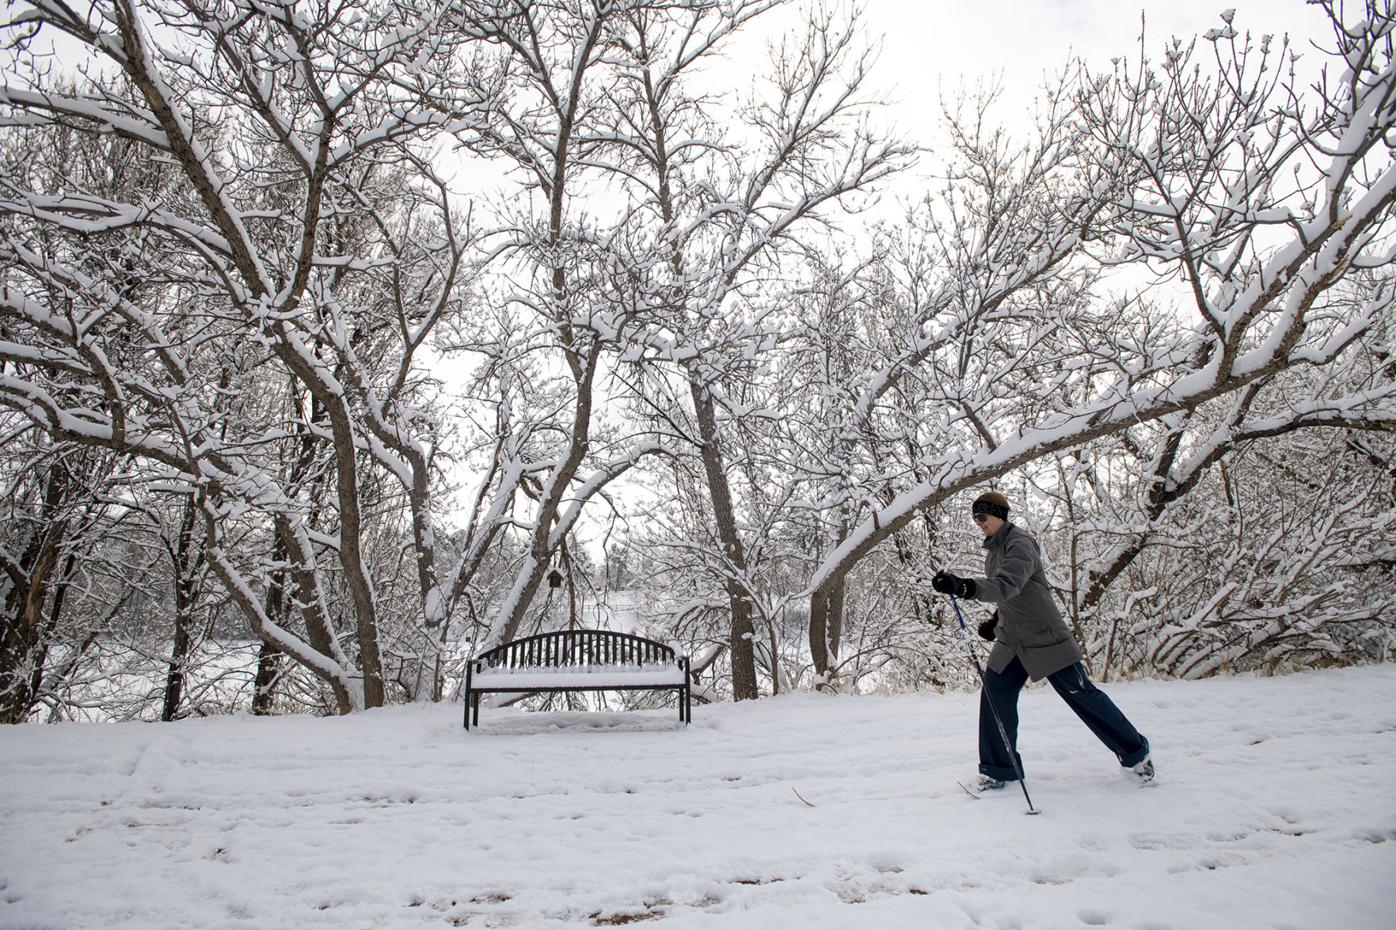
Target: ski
x=969, y=791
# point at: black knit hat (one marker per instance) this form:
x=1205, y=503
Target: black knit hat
x=992, y=503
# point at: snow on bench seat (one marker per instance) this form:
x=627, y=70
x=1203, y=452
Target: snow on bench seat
x=594, y=677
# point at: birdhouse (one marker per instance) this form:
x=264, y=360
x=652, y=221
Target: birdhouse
x=554, y=579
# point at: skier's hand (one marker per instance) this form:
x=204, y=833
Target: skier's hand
x=945, y=583
x=954, y=585
x=986, y=629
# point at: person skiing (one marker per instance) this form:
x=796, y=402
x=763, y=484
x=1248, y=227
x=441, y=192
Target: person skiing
x=1030, y=640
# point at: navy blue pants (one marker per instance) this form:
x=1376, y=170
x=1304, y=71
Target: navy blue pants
x=1095, y=709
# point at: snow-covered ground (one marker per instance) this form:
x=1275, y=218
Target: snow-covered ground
x=1275, y=807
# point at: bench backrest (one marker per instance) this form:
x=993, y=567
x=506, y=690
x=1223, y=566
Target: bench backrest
x=574, y=648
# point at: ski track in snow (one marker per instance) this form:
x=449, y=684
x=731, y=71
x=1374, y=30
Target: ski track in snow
x=1275, y=806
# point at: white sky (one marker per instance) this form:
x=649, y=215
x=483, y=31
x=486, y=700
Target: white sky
x=930, y=46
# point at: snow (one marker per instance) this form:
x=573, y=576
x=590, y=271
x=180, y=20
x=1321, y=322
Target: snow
x=599, y=676
x=1275, y=807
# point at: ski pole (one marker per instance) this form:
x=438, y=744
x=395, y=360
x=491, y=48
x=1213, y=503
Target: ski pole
x=984, y=689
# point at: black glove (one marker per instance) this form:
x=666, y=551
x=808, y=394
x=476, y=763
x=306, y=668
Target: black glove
x=986, y=629
x=954, y=585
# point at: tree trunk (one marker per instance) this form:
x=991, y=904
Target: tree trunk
x=22, y=624
x=550, y=501
x=742, y=631
x=351, y=556
x=268, y=656
x=826, y=626
x=187, y=560
x=819, y=636
x=264, y=685
x=825, y=629
x=174, y=675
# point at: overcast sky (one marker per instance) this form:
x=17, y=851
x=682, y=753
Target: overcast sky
x=932, y=45
x=927, y=42
x=923, y=38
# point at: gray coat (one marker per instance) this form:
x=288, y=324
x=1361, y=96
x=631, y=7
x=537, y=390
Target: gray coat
x=1030, y=626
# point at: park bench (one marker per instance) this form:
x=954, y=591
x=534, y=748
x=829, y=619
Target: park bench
x=577, y=660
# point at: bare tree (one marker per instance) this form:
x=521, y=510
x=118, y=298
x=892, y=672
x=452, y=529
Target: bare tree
x=726, y=208
x=1238, y=483
x=56, y=501
x=320, y=248
x=1220, y=178
x=597, y=93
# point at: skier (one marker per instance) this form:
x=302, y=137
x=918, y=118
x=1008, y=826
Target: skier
x=1031, y=640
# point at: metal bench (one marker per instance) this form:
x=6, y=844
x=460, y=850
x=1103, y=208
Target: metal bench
x=577, y=660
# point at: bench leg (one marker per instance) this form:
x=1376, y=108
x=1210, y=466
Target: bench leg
x=469, y=674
